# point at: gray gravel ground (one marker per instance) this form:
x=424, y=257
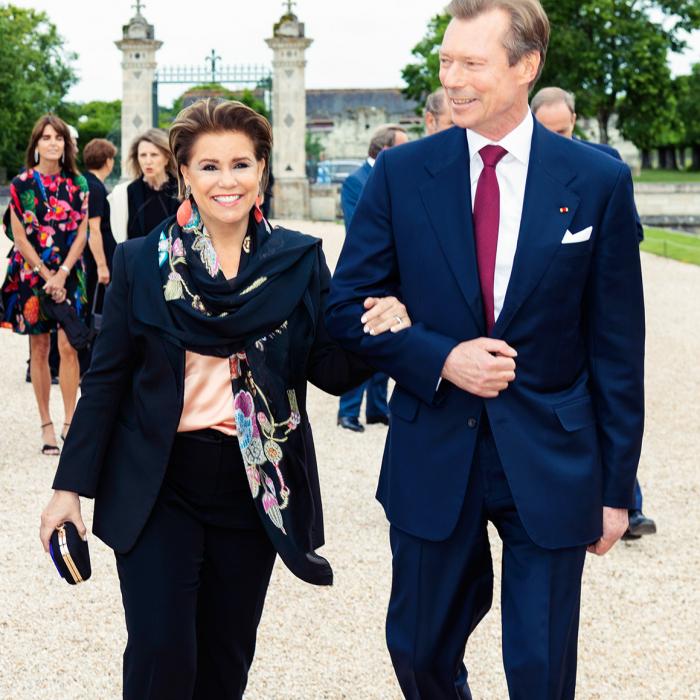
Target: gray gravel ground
x=640, y=617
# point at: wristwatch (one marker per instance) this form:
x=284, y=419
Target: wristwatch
x=37, y=268
x=65, y=268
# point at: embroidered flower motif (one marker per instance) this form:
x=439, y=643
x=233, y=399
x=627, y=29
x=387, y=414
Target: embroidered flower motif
x=258, y=283
x=173, y=287
x=58, y=209
x=203, y=245
x=178, y=250
x=163, y=245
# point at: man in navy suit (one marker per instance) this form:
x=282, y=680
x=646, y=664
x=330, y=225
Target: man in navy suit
x=555, y=109
x=519, y=387
x=376, y=410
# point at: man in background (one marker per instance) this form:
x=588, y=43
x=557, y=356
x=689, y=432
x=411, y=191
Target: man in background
x=555, y=109
x=437, y=113
x=376, y=409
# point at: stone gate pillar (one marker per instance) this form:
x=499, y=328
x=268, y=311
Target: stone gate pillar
x=138, y=47
x=291, y=194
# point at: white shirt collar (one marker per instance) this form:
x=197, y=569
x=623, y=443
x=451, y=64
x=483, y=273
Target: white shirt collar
x=518, y=142
x=370, y=160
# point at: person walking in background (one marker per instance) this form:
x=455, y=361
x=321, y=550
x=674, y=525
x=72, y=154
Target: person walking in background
x=98, y=157
x=49, y=209
x=151, y=196
x=375, y=388
x=191, y=432
x=555, y=109
x=437, y=115
x=519, y=392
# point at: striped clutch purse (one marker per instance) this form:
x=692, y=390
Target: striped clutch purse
x=70, y=554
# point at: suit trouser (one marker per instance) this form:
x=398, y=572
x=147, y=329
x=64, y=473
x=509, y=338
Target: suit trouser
x=441, y=591
x=376, y=407
x=194, y=585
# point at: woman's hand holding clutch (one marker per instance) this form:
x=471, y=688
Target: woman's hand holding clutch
x=385, y=314
x=64, y=506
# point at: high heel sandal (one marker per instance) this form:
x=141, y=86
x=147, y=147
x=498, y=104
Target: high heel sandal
x=49, y=450
x=65, y=432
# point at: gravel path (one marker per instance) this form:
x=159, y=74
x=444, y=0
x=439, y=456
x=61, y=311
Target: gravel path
x=640, y=618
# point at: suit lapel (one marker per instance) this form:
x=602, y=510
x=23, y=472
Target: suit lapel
x=446, y=196
x=548, y=210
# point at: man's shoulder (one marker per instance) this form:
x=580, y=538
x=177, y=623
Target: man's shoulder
x=584, y=163
x=602, y=147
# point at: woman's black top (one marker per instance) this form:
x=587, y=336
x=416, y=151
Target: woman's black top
x=148, y=207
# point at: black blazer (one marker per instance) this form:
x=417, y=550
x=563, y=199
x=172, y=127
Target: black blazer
x=121, y=436
x=147, y=208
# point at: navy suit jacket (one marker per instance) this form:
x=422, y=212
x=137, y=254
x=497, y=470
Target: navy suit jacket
x=569, y=428
x=351, y=191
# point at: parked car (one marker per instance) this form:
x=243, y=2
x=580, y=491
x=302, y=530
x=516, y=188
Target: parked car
x=335, y=171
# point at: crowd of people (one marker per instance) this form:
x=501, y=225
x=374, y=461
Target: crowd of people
x=510, y=317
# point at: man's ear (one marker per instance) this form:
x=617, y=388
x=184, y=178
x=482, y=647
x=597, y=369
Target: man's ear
x=530, y=64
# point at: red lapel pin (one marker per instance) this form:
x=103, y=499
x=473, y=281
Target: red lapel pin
x=563, y=210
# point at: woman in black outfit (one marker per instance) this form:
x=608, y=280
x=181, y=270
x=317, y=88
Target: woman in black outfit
x=152, y=196
x=192, y=433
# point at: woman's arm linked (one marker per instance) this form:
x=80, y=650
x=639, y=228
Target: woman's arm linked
x=332, y=368
x=79, y=467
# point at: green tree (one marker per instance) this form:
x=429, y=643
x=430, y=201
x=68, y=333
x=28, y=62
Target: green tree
x=421, y=78
x=613, y=55
x=687, y=88
x=166, y=116
x=36, y=74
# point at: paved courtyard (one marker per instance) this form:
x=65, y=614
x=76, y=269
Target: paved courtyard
x=641, y=604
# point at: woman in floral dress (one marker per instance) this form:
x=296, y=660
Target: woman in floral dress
x=49, y=225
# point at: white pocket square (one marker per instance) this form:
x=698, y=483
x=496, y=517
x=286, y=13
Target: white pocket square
x=579, y=236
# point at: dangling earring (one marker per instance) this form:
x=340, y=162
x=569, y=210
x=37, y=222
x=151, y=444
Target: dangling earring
x=258, y=211
x=184, y=211
x=36, y=155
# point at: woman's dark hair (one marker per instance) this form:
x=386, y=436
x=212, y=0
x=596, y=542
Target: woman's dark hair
x=97, y=152
x=215, y=116
x=68, y=163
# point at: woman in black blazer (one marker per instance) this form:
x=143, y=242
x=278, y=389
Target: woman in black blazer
x=192, y=434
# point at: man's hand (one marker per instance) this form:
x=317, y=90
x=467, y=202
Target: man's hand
x=615, y=523
x=483, y=366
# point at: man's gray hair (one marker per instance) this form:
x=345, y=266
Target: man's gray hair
x=435, y=104
x=384, y=137
x=551, y=96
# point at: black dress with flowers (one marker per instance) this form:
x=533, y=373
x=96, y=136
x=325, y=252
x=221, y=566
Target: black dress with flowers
x=51, y=208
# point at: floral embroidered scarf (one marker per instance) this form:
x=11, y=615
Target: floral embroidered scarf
x=246, y=320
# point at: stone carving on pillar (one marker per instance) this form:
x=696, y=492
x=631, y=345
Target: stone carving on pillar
x=289, y=44
x=138, y=46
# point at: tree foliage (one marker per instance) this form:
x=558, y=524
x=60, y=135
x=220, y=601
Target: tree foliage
x=421, y=78
x=36, y=74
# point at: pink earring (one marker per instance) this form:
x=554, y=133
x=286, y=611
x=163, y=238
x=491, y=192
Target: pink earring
x=184, y=211
x=258, y=212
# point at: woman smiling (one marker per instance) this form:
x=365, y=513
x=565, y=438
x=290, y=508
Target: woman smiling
x=192, y=433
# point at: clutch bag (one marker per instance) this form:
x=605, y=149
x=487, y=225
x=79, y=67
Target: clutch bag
x=70, y=554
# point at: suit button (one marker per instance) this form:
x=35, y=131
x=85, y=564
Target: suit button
x=472, y=422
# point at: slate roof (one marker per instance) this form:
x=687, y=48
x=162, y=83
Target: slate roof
x=336, y=103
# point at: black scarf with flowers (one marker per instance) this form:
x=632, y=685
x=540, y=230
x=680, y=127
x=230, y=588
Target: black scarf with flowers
x=247, y=320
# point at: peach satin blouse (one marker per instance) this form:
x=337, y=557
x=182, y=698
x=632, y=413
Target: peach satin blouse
x=208, y=395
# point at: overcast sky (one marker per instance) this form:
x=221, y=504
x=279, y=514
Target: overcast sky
x=357, y=43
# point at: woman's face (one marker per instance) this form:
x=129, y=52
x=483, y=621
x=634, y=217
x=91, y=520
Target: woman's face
x=224, y=176
x=50, y=144
x=152, y=160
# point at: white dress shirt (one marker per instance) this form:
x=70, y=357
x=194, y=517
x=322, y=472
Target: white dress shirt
x=511, y=173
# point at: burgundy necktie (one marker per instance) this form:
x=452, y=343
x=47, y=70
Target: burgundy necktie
x=487, y=203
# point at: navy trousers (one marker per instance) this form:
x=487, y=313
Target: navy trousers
x=194, y=585
x=441, y=591
x=376, y=407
